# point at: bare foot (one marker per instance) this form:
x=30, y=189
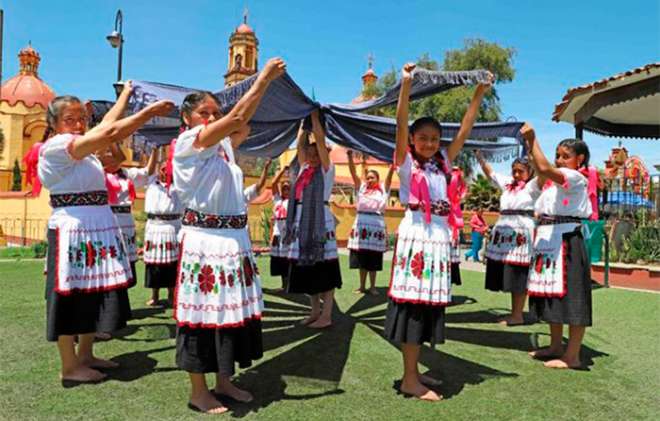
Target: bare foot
x=373, y=291
x=429, y=381
x=309, y=319
x=152, y=303
x=511, y=321
x=320, y=323
x=420, y=391
x=83, y=374
x=98, y=363
x=228, y=389
x=548, y=352
x=207, y=404
x=563, y=363
x=360, y=291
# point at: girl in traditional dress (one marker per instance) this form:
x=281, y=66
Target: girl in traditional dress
x=559, y=284
x=509, y=249
x=368, y=237
x=88, y=266
x=420, y=287
x=218, y=299
x=455, y=193
x=161, y=246
x=479, y=227
x=279, y=252
x=121, y=184
x=313, y=263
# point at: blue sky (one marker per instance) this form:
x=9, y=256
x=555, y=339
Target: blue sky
x=559, y=44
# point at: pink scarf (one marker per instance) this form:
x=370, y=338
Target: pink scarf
x=304, y=179
x=280, y=211
x=515, y=186
x=456, y=192
x=114, y=187
x=31, y=162
x=592, y=189
x=419, y=187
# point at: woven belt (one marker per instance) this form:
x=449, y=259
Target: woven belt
x=164, y=216
x=209, y=220
x=519, y=212
x=91, y=198
x=280, y=219
x=441, y=208
x=558, y=219
x=369, y=213
x=121, y=208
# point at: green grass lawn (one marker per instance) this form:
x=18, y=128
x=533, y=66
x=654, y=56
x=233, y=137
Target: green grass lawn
x=347, y=372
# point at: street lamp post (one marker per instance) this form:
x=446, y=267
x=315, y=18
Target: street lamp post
x=116, y=39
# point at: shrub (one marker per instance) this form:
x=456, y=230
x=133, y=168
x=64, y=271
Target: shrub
x=642, y=246
x=40, y=249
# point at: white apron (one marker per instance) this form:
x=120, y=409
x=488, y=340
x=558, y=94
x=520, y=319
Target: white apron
x=421, y=268
x=161, y=245
x=218, y=284
x=547, y=275
x=511, y=240
x=90, y=252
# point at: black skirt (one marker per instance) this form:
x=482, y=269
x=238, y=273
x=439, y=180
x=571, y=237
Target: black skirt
x=506, y=277
x=279, y=266
x=81, y=312
x=456, y=273
x=160, y=276
x=415, y=323
x=133, y=281
x=218, y=350
x=315, y=279
x=574, y=308
x=368, y=260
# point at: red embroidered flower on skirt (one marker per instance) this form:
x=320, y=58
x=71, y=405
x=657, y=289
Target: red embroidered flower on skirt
x=206, y=279
x=230, y=280
x=520, y=239
x=417, y=265
x=90, y=254
x=538, y=265
x=247, y=271
x=222, y=279
x=402, y=262
x=363, y=235
x=496, y=238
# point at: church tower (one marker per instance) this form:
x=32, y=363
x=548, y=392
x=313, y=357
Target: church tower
x=243, y=51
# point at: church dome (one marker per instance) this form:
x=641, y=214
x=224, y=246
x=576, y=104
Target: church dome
x=26, y=86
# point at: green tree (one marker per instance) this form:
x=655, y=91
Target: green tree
x=482, y=195
x=450, y=106
x=17, y=178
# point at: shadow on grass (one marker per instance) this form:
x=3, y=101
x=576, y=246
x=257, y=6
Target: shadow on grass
x=137, y=364
x=154, y=332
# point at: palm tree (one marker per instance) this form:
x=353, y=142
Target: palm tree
x=482, y=195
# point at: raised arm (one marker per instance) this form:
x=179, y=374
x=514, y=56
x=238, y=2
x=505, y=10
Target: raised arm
x=95, y=140
x=468, y=119
x=388, y=178
x=402, y=114
x=275, y=184
x=485, y=166
x=351, y=168
x=264, y=175
x=540, y=162
x=117, y=110
x=244, y=109
x=319, y=136
x=301, y=143
x=239, y=136
x=153, y=162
